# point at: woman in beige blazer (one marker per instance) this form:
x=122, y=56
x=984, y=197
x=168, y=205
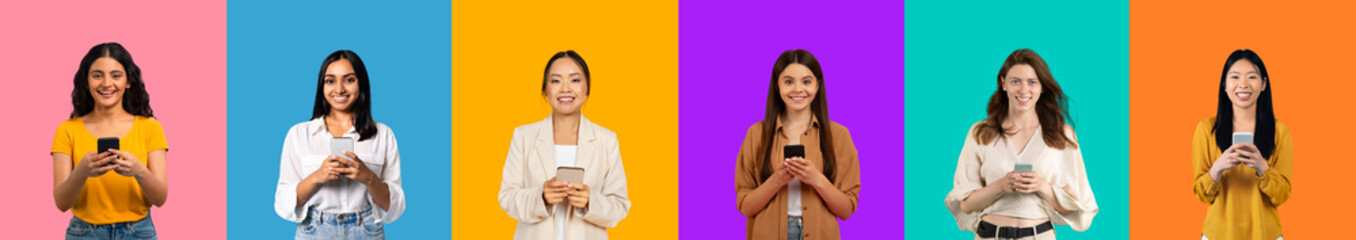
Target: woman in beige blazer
x=550, y=209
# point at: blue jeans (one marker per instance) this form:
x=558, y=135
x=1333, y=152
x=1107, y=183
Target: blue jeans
x=360, y=225
x=794, y=228
x=140, y=229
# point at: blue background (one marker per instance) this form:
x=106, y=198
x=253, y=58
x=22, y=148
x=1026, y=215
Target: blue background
x=274, y=51
x=954, y=51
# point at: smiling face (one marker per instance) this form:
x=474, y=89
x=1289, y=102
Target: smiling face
x=1023, y=88
x=1244, y=83
x=798, y=87
x=107, y=82
x=566, y=86
x=341, y=85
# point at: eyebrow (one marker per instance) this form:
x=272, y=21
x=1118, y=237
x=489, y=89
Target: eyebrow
x=571, y=74
x=346, y=74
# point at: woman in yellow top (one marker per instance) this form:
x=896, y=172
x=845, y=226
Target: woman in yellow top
x=800, y=197
x=1245, y=182
x=110, y=101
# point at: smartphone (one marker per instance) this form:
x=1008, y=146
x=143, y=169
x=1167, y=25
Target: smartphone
x=339, y=145
x=108, y=143
x=1243, y=137
x=791, y=151
x=1021, y=167
x=570, y=174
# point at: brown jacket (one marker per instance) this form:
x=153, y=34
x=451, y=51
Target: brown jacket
x=819, y=222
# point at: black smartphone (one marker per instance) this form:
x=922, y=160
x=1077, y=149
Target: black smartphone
x=108, y=143
x=795, y=150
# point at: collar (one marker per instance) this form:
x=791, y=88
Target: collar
x=317, y=126
x=585, y=130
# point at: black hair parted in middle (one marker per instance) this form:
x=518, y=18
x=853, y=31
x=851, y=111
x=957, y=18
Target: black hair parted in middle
x=362, y=106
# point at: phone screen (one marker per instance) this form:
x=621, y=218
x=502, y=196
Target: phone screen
x=1022, y=167
x=108, y=143
x=570, y=174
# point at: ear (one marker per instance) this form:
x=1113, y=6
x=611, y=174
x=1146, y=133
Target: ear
x=1265, y=81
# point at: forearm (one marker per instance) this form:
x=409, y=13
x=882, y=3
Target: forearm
x=381, y=194
x=840, y=204
x=305, y=189
x=757, y=199
x=982, y=198
x=68, y=191
x=154, y=188
x=1050, y=199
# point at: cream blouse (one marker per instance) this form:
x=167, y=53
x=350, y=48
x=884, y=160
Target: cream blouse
x=980, y=165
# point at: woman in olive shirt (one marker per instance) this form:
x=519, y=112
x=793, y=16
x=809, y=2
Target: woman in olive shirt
x=797, y=197
x=1244, y=182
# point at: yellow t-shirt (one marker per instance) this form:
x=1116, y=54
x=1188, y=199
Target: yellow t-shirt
x=1242, y=204
x=110, y=198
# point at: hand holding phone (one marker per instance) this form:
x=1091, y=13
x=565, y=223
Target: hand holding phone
x=1021, y=167
x=795, y=150
x=1242, y=138
x=339, y=145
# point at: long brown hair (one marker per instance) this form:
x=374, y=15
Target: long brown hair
x=819, y=107
x=1051, y=108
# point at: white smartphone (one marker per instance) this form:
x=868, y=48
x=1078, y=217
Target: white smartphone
x=339, y=145
x=1021, y=167
x=570, y=174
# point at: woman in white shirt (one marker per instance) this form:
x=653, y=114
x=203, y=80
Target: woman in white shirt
x=1026, y=126
x=550, y=209
x=333, y=194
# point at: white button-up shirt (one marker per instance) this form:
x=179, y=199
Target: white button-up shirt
x=304, y=151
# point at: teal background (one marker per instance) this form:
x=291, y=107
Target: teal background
x=274, y=51
x=954, y=50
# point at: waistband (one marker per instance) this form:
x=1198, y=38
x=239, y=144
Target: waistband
x=350, y=218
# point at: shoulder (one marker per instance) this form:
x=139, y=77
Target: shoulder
x=1207, y=124
x=531, y=127
x=602, y=132
x=1282, y=129
x=839, y=130
x=147, y=122
x=304, y=127
x=70, y=124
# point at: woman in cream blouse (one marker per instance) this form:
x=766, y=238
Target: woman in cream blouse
x=550, y=209
x=1026, y=124
x=1243, y=183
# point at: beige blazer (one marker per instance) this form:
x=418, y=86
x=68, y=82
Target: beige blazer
x=531, y=162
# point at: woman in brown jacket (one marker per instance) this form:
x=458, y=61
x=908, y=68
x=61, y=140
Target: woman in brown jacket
x=799, y=197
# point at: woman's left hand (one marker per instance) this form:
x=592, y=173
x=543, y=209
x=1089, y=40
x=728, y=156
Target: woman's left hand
x=806, y=172
x=1030, y=182
x=128, y=164
x=356, y=170
x=1253, y=159
x=578, y=195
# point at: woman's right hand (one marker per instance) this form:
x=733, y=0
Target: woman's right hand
x=1008, y=183
x=554, y=191
x=95, y=164
x=1226, y=161
x=782, y=175
x=327, y=171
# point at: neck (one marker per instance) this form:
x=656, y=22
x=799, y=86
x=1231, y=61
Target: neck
x=1023, y=119
x=339, y=116
x=1245, y=118
x=102, y=112
x=565, y=122
x=797, y=117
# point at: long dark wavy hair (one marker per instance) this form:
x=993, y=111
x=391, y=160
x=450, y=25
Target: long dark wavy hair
x=775, y=107
x=1052, y=109
x=135, y=99
x=362, y=106
x=1265, y=132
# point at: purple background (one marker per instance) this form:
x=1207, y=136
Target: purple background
x=726, y=52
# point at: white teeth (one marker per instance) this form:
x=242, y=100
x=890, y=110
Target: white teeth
x=1244, y=94
x=565, y=99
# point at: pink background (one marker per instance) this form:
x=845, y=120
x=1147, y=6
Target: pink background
x=181, y=49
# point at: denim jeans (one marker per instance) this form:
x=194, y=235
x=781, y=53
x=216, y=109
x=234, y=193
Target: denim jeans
x=794, y=228
x=360, y=225
x=139, y=229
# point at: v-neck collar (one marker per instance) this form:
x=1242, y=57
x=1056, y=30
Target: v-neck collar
x=1031, y=145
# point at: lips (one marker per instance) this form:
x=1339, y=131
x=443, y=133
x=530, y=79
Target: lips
x=340, y=98
x=798, y=99
x=1023, y=99
x=565, y=100
x=108, y=93
x=1243, y=95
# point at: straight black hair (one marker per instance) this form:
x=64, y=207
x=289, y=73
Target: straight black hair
x=546, y=74
x=135, y=100
x=362, y=106
x=1265, y=131
x=819, y=107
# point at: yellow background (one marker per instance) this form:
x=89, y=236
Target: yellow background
x=500, y=49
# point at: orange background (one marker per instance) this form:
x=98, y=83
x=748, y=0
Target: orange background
x=1177, y=51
